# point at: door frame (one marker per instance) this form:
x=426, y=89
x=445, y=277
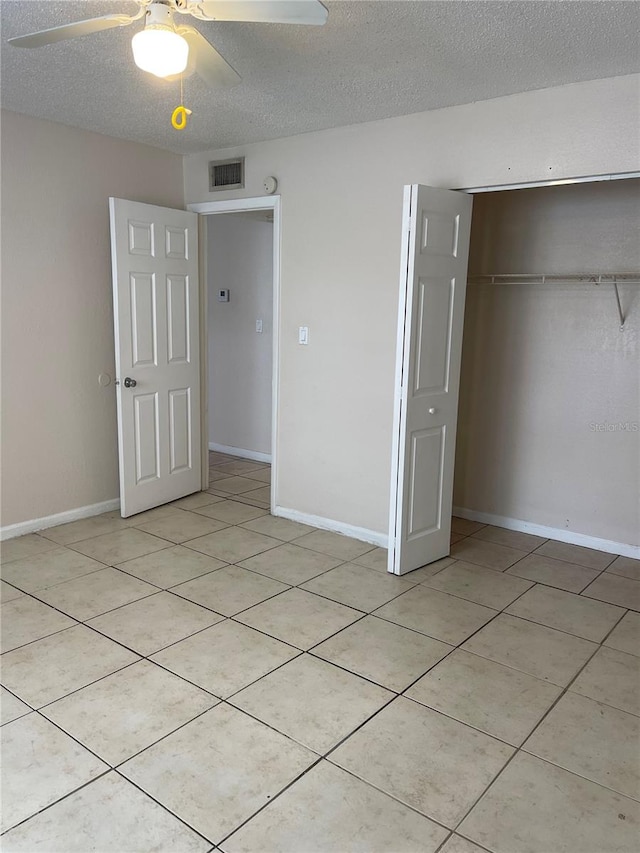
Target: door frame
x=213, y=208
x=477, y=190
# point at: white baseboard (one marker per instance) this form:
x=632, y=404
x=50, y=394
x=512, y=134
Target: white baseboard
x=361, y=533
x=238, y=451
x=558, y=533
x=34, y=524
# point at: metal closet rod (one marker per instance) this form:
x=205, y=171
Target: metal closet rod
x=577, y=278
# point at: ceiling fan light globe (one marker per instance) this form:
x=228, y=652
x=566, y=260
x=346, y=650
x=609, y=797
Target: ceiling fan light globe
x=160, y=51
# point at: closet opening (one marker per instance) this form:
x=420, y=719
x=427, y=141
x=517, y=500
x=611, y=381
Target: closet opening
x=548, y=436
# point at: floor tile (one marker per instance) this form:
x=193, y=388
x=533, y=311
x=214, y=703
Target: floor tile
x=119, y=715
x=475, y=583
x=558, y=573
x=229, y=590
x=233, y=544
x=10, y=707
x=25, y=620
x=566, y=611
x=455, y=537
x=425, y=572
x=216, y=476
x=400, y=752
x=576, y=554
x=592, y=740
x=50, y=668
x=97, y=593
x=496, y=699
x=109, y=815
x=86, y=528
x=48, y=569
x=236, y=485
x=334, y=544
x=23, y=546
x=279, y=528
x=291, y=564
x=340, y=813
x=383, y=652
x=312, y=702
x=250, y=499
x=540, y=651
x=357, y=586
x=43, y=764
x=376, y=559
x=263, y=475
x=611, y=677
x=510, y=538
x=218, y=770
x=148, y=625
x=437, y=614
x=8, y=593
x=233, y=512
x=217, y=458
x=626, y=635
x=464, y=526
x=627, y=567
x=179, y=528
x=240, y=467
x=171, y=566
x=225, y=658
x=300, y=618
x=153, y=514
x=196, y=501
x=616, y=590
x=487, y=554
x=534, y=806
x=455, y=844
x=112, y=548
x=263, y=493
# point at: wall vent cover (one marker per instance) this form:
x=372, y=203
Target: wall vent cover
x=226, y=174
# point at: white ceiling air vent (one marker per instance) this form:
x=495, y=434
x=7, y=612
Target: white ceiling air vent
x=226, y=174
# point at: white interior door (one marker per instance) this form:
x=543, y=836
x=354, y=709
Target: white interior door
x=436, y=226
x=154, y=252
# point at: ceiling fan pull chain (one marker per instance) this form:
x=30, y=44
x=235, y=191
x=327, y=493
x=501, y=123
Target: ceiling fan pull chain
x=179, y=115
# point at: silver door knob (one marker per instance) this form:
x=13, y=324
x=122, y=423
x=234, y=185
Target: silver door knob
x=129, y=383
x=431, y=411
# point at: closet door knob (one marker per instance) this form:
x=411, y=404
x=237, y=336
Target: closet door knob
x=129, y=383
x=432, y=411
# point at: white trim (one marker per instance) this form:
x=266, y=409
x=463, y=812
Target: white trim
x=22, y=527
x=587, y=179
x=557, y=533
x=238, y=451
x=235, y=205
x=361, y=533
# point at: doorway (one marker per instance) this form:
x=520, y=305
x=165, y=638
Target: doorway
x=240, y=330
x=240, y=326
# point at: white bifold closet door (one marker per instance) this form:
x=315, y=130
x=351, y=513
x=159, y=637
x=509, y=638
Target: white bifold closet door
x=435, y=249
x=156, y=320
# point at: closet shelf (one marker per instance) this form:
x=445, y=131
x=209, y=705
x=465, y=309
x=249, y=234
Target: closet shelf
x=576, y=278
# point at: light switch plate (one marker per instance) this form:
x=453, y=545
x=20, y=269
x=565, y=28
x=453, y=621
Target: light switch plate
x=303, y=335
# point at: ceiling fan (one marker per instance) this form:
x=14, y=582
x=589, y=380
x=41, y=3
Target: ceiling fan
x=166, y=48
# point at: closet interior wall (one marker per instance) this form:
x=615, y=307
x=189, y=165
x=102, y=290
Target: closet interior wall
x=550, y=386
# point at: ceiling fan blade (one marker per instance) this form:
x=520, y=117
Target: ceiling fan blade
x=266, y=11
x=207, y=62
x=69, y=31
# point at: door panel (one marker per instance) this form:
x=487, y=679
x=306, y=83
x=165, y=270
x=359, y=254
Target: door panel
x=436, y=228
x=156, y=313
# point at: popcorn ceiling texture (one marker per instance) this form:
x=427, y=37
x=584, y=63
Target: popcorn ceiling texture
x=372, y=60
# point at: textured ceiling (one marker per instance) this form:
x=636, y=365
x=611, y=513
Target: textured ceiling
x=372, y=60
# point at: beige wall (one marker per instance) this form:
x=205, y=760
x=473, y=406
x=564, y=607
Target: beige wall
x=240, y=258
x=544, y=365
x=341, y=217
x=59, y=449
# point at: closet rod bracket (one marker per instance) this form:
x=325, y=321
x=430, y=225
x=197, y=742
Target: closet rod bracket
x=620, y=312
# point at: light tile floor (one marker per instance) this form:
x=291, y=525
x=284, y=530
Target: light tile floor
x=204, y=676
